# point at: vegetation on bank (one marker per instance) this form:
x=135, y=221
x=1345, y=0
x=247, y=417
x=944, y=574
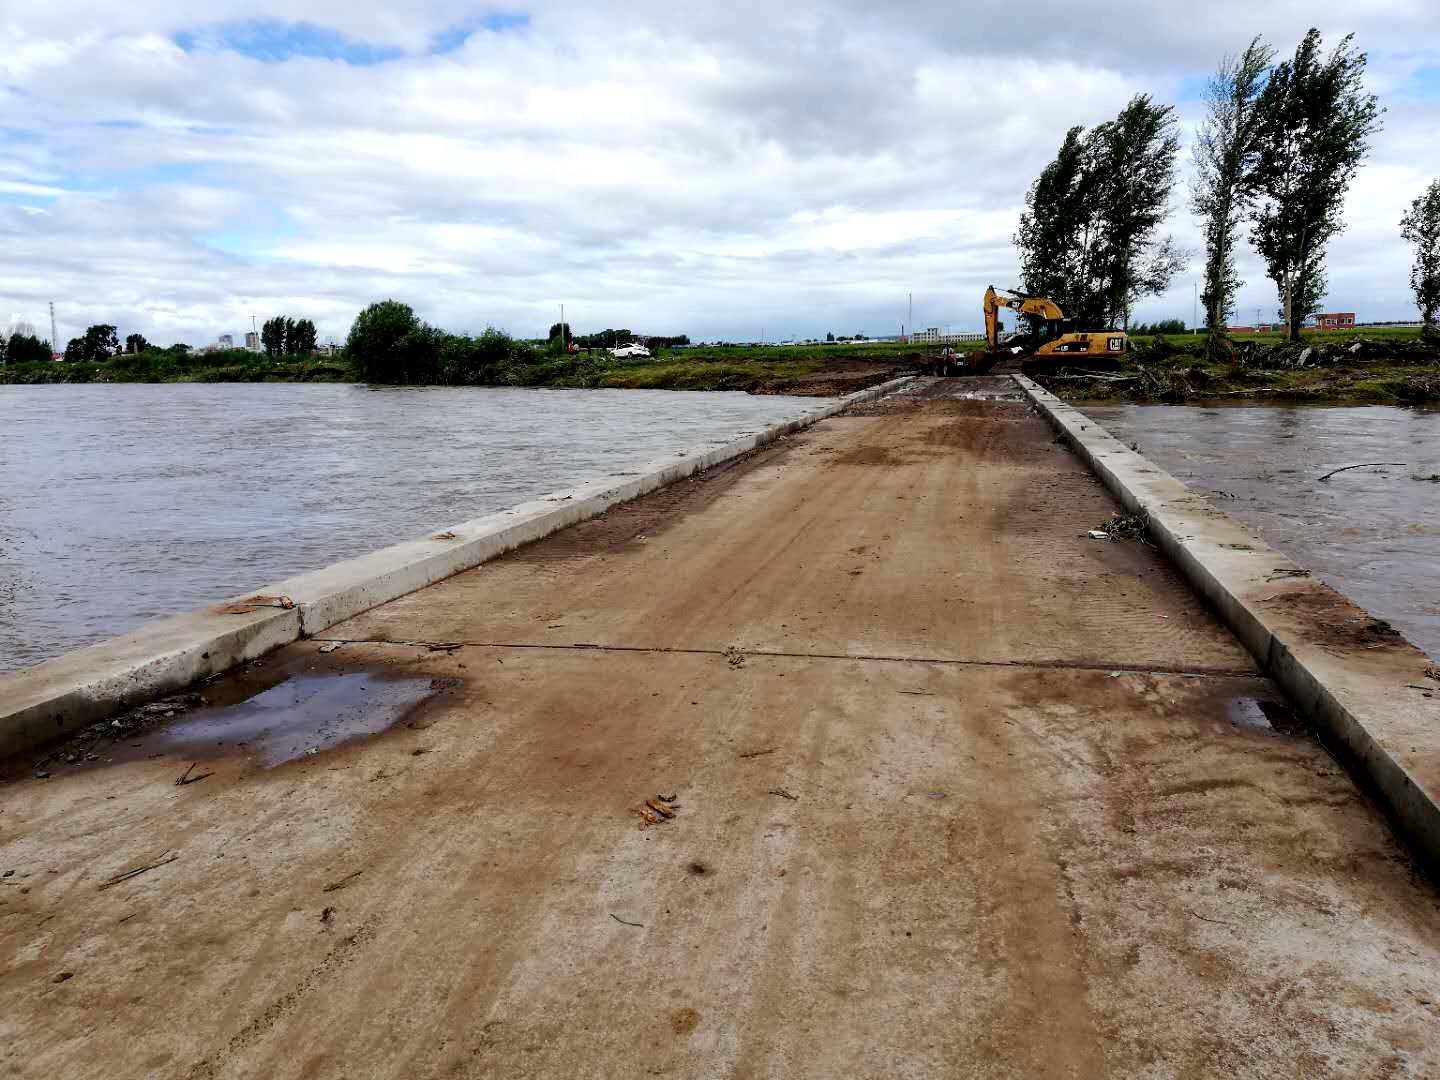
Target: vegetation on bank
x=157, y=366
x=1386, y=366
x=1391, y=365
x=390, y=345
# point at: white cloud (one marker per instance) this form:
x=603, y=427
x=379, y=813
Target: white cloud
x=715, y=169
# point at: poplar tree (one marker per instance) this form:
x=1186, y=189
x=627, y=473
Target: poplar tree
x=1088, y=236
x=1055, y=231
x=272, y=336
x=1134, y=158
x=1421, y=226
x=1226, y=152
x=1314, y=124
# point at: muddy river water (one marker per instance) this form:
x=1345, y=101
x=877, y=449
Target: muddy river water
x=120, y=504
x=1372, y=533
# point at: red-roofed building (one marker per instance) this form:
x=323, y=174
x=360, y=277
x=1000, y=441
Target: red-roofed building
x=1339, y=320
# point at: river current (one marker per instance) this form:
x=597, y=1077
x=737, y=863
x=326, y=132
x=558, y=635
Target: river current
x=125, y=503
x=1372, y=533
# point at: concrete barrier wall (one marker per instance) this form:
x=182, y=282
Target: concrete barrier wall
x=52, y=699
x=1346, y=671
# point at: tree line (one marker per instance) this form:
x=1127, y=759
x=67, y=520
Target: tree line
x=559, y=334
x=389, y=344
x=280, y=336
x=284, y=336
x=1277, y=151
x=21, y=348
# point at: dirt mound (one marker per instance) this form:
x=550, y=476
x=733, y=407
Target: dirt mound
x=830, y=383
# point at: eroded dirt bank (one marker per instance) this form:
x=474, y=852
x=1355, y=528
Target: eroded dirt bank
x=955, y=789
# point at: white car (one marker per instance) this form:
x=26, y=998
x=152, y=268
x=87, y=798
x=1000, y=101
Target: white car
x=630, y=350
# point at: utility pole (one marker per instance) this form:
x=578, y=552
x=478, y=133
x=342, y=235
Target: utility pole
x=909, y=312
x=54, y=338
x=1195, y=310
x=562, y=329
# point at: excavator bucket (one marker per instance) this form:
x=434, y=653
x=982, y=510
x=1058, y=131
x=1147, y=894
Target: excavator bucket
x=981, y=361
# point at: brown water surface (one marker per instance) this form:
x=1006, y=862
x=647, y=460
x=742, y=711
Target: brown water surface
x=1372, y=533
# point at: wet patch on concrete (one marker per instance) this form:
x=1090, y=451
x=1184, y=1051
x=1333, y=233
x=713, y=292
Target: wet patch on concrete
x=267, y=712
x=298, y=717
x=1266, y=715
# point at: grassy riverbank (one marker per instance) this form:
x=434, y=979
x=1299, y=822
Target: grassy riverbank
x=1380, y=366
x=803, y=369
x=1386, y=366
x=158, y=367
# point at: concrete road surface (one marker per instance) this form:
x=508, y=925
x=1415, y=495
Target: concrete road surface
x=956, y=791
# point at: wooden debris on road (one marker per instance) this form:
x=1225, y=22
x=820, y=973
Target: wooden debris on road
x=166, y=856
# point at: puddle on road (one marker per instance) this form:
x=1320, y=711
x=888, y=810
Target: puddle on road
x=1258, y=714
x=303, y=714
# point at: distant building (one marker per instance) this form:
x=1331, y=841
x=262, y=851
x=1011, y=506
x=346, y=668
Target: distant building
x=1339, y=320
x=252, y=341
x=934, y=334
x=225, y=341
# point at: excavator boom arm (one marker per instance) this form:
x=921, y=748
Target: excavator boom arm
x=1040, y=306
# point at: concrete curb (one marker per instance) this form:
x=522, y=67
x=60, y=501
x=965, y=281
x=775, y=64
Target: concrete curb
x=1345, y=671
x=52, y=699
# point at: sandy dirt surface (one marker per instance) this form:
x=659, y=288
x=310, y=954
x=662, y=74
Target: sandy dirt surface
x=956, y=791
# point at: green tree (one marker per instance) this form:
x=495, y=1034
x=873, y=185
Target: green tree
x=303, y=340
x=1421, y=227
x=1135, y=157
x=1314, y=125
x=1054, y=237
x=272, y=336
x=25, y=349
x=1226, y=152
x=98, y=343
x=1164, y=326
x=389, y=344
x=136, y=343
x=557, y=329
x=1089, y=235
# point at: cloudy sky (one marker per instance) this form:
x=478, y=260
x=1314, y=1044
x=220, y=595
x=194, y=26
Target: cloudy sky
x=716, y=169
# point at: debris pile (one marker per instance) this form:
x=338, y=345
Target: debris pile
x=1298, y=354
x=1123, y=527
x=81, y=747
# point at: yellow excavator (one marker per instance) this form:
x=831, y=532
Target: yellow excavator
x=1055, y=341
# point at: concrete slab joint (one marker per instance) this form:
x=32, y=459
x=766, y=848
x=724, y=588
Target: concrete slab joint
x=1311, y=640
x=62, y=695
